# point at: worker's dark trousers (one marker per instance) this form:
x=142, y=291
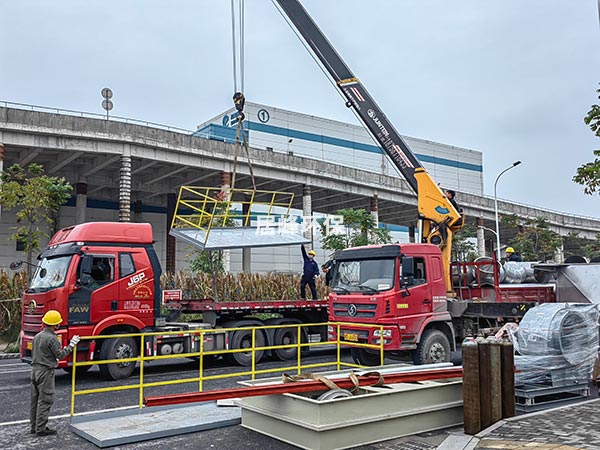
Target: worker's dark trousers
x=311, y=283
x=42, y=396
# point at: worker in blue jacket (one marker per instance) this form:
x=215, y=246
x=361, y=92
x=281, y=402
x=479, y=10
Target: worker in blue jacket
x=309, y=272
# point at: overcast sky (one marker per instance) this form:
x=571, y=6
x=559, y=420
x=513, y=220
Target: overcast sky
x=510, y=78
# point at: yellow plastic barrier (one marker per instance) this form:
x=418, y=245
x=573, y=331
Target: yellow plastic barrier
x=252, y=372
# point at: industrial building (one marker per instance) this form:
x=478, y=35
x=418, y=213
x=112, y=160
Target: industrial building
x=276, y=129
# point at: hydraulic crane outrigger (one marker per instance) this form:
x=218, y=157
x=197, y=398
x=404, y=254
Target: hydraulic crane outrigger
x=439, y=218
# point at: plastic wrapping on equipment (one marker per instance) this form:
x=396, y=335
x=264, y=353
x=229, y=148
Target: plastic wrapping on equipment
x=486, y=271
x=557, y=344
x=520, y=272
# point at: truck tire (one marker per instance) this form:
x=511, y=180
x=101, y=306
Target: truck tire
x=243, y=339
x=286, y=336
x=119, y=348
x=365, y=357
x=434, y=347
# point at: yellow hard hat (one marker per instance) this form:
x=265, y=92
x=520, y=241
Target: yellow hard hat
x=52, y=318
x=312, y=252
x=510, y=250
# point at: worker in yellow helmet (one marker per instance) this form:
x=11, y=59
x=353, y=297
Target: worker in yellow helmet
x=46, y=352
x=310, y=271
x=511, y=255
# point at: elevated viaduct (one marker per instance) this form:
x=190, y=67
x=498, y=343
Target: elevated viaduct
x=142, y=165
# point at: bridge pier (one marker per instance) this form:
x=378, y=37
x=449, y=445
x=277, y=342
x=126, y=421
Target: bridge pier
x=307, y=212
x=80, y=201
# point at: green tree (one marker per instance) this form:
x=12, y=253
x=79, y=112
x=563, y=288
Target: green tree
x=360, y=228
x=588, y=175
x=534, y=241
x=462, y=248
x=36, y=197
x=579, y=246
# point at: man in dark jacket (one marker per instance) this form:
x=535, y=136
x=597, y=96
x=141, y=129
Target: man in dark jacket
x=309, y=272
x=46, y=352
x=511, y=255
x=328, y=271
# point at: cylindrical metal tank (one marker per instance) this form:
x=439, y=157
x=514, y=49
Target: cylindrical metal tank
x=486, y=271
x=463, y=276
x=514, y=272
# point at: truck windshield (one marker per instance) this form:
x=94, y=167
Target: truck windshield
x=365, y=275
x=50, y=274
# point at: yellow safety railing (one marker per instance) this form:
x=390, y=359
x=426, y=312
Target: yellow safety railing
x=204, y=208
x=200, y=334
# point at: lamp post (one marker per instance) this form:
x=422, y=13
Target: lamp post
x=515, y=164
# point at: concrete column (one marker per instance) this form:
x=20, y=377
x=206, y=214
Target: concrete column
x=225, y=187
x=480, y=237
x=125, y=187
x=171, y=249
x=137, y=211
x=411, y=233
x=80, y=202
x=307, y=212
x=559, y=254
x=246, y=252
x=374, y=204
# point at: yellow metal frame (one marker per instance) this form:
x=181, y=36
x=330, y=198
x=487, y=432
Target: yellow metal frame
x=252, y=372
x=204, y=208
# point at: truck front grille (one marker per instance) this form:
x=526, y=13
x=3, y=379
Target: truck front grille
x=363, y=310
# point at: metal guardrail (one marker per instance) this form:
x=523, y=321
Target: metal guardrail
x=90, y=115
x=200, y=334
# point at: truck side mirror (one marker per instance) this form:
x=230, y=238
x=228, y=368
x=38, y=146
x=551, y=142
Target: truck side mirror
x=408, y=270
x=86, y=265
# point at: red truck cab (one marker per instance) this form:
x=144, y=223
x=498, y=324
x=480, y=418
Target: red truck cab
x=103, y=278
x=402, y=288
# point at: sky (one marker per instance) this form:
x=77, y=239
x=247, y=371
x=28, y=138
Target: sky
x=510, y=78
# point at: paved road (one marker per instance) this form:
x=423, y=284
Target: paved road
x=14, y=395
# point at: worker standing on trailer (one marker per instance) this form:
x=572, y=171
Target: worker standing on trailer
x=309, y=272
x=46, y=352
x=511, y=255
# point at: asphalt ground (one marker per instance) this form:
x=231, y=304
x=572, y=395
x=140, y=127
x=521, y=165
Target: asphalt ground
x=14, y=415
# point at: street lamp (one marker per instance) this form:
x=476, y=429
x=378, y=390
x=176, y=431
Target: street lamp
x=515, y=164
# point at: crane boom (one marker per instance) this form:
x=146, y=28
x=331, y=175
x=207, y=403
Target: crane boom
x=353, y=90
x=439, y=216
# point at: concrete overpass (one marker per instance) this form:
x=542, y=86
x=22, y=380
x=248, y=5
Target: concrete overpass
x=145, y=164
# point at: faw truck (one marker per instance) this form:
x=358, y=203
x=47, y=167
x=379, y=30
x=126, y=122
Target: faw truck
x=104, y=278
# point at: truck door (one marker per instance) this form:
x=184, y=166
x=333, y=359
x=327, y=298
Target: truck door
x=136, y=292
x=415, y=299
x=97, y=293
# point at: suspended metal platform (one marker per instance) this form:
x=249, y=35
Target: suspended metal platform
x=215, y=219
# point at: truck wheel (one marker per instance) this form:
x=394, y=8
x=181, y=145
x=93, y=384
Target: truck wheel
x=286, y=336
x=365, y=357
x=433, y=348
x=243, y=339
x=119, y=348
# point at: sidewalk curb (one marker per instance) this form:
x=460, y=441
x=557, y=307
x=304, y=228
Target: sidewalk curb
x=9, y=355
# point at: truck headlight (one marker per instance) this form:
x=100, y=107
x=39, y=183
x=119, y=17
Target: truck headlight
x=386, y=333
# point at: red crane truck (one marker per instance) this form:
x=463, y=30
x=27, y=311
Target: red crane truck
x=103, y=277
x=406, y=288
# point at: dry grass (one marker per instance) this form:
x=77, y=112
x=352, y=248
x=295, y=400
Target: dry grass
x=240, y=287
x=11, y=288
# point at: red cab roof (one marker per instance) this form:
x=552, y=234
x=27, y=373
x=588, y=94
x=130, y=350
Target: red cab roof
x=117, y=232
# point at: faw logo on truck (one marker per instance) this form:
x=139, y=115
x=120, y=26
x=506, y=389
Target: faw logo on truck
x=136, y=279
